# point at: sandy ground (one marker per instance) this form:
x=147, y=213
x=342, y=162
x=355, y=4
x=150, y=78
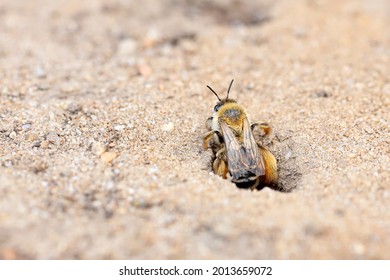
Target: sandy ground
x=103, y=107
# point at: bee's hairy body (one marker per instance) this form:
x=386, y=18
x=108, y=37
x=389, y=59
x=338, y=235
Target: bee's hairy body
x=235, y=151
x=232, y=113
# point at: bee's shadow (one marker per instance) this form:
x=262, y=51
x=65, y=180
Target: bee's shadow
x=280, y=186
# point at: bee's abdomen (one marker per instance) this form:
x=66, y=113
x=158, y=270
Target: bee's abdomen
x=248, y=180
x=247, y=184
x=244, y=176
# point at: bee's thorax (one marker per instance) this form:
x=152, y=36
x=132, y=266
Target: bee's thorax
x=232, y=114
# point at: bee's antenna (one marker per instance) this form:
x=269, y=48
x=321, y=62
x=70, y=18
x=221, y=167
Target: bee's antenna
x=214, y=92
x=227, y=96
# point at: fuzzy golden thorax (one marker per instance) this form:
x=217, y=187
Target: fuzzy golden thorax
x=232, y=114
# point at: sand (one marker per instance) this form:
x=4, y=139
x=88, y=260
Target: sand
x=103, y=106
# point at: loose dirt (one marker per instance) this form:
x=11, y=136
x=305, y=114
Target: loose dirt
x=103, y=106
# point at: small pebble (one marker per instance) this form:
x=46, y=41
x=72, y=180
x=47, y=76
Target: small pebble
x=321, y=93
x=111, y=145
x=152, y=38
x=43, y=87
x=288, y=155
x=39, y=72
x=110, y=185
x=127, y=46
x=12, y=135
x=368, y=129
x=45, y=144
x=98, y=148
x=31, y=137
x=189, y=46
x=26, y=126
x=130, y=125
x=358, y=248
x=119, y=127
x=153, y=170
x=53, y=138
x=39, y=167
x=299, y=32
x=108, y=157
x=144, y=69
x=168, y=127
x=74, y=108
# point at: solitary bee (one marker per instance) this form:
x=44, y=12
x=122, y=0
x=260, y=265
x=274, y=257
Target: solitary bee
x=235, y=150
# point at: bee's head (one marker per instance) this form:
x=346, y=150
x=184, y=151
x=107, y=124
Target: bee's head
x=224, y=101
x=228, y=110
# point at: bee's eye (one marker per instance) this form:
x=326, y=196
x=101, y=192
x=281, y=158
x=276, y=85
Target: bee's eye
x=216, y=108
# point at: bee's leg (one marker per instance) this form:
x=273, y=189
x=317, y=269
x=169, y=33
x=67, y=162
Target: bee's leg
x=221, y=154
x=255, y=184
x=207, y=137
x=264, y=126
x=271, y=169
x=220, y=166
x=208, y=123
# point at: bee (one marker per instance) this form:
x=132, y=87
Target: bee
x=235, y=150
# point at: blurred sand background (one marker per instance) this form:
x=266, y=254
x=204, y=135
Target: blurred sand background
x=103, y=107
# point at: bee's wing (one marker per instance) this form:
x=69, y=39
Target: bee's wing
x=253, y=149
x=244, y=160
